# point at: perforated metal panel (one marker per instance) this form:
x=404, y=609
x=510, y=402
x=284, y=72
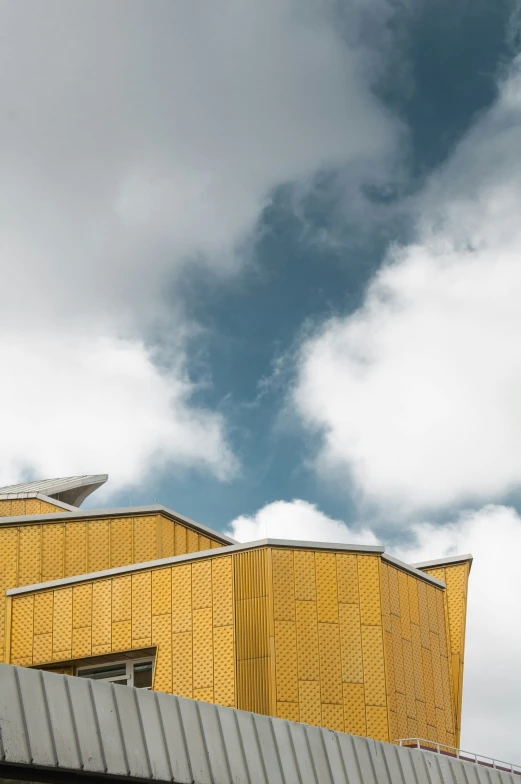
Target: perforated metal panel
x=417, y=674
x=247, y=628
x=53, y=551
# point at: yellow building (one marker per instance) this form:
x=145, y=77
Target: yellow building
x=342, y=636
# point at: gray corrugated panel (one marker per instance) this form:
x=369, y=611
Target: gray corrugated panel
x=85, y=722
x=75, y=488
x=55, y=722
x=174, y=738
x=61, y=721
x=38, y=726
x=109, y=726
x=13, y=731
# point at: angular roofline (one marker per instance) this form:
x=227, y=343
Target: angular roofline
x=449, y=561
x=412, y=569
x=235, y=548
x=74, y=488
x=74, y=514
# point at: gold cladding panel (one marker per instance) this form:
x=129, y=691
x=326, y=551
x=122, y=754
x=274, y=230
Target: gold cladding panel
x=75, y=548
x=366, y=669
x=283, y=585
x=121, y=541
x=180, y=536
x=368, y=578
x=53, y=551
x=351, y=643
x=167, y=538
x=29, y=558
x=98, y=552
x=327, y=595
x=305, y=584
x=417, y=671
x=194, y=658
x=145, y=539
x=26, y=506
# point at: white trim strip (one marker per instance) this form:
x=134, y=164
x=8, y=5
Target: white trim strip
x=452, y=559
x=412, y=570
x=125, y=511
x=222, y=551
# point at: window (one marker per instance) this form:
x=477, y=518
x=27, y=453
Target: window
x=133, y=672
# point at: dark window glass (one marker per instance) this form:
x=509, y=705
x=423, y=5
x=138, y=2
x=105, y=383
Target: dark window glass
x=143, y=675
x=107, y=671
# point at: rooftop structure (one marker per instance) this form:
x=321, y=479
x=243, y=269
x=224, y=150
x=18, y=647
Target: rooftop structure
x=339, y=636
x=69, y=491
x=56, y=728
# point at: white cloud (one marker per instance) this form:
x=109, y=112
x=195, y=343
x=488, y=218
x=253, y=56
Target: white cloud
x=492, y=687
x=417, y=395
x=296, y=519
x=137, y=138
x=88, y=406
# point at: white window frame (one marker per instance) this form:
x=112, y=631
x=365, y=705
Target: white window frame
x=129, y=670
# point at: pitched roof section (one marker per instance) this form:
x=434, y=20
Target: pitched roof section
x=71, y=490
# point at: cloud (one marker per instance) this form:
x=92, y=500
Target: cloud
x=492, y=687
x=138, y=139
x=101, y=405
x=417, y=395
x=295, y=519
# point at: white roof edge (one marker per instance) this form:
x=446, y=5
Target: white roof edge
x=84, y=485
x=176, y=559
x=79, y=514
x=452, y=559
x=413, y=570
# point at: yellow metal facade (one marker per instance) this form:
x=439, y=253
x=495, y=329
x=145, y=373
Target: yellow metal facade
x=48, y=550
x=455, y=576
x=27, y=506
x=337, y=639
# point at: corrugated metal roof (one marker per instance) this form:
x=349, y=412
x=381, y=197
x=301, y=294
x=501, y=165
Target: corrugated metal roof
x=71, y=489
x=56, y=723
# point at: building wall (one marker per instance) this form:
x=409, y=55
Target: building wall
x=40, y=551
x=329, y=650
x=336, y=639
x=254, y=631
x=27, y=506
x=456, y=578
x=185, y=610
x=418, y=665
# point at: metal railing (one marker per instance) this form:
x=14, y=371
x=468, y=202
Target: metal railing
x=466, y=756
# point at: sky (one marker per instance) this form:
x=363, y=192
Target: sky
x=261, y=263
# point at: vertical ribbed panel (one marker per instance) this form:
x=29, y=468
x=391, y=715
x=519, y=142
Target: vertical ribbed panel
x=251, y=624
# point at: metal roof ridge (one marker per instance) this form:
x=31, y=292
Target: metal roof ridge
x=411, y=569
x=449, y=560
x=216, y=552
x=74, y=513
